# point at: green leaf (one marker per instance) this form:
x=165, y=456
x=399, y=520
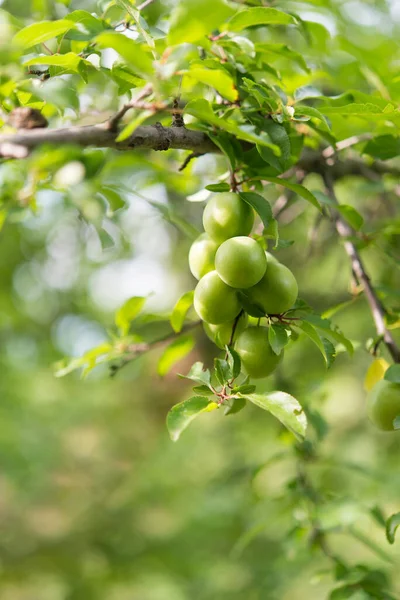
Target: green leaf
x=182, y=414
x=203, y=390
x=329, y=330
x=297, y=188
x=201, y=109
x=180, y=310
x=218, y=187
x=351, y=215
x=330, y=352
x=174, y=353
x=383, y=147
x=69, y=62
x=193, y=21
x=280, y=138
x=285, y=408
x=260, y=205
x=314, y=336
x=113, y=198
x=37, y=33
x=313, y=113
x=223, y=372
x=237, y=404
x=131, y=51
x=361, y=110
x=393, y=373
x=88, y=26
x=128, y=311
x=281, y=50
x=277, y=337
x=259, y=16
x=234, y=361
x=198, y=374
x=217, y=79
x=246, y=388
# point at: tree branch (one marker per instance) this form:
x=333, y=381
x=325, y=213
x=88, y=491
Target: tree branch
x=378, y=311
x=157, y=137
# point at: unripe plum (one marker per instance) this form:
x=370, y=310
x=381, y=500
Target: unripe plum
x=277, y=291
x=221, y=334
x=227, y=215
x=240, y=262
x=202, y=256
x=214, y=301
x=256, y=354
x=383, y=403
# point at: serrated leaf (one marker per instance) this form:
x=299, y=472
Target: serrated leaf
x=391, y=527
x=234, y=361
x=223, y=371
x=174, y=353
x=128, y=311
x=37, y=33
x=217, y=79
x=259, y=16
x=180, y=310
x=393, y=374
x=132, y=52
x=199, y=374
x=285, y=408
x=277, y=337
x=375, y=373
x=182, y=414
x=297, y=188
x=260, y=205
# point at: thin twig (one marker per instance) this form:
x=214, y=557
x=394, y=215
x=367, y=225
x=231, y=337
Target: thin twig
x=135, y=103
x=188, y=159
x=377, y=309
x=347, y=143
x=144, y=4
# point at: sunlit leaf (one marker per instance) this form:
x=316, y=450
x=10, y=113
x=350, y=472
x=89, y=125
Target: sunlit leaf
x=177, y=350
x=180, y=310
x=217, y=79
x=259, y=16
x=182, y=414
x=375, y=373
x=391, y=527
x=284, y=407
x=131, y=51
x=193, y=21
x=128, y=311
x=260, y=205
x=37, y=33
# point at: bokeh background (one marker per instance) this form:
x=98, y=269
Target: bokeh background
x=96, y=502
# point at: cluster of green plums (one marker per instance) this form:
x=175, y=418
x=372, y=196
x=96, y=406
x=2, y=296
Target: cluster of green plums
x=238, y=282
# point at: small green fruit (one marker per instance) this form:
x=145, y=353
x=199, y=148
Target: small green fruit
x=276, y=292
x=240, y=262
x=256, y=354
x=221, y=334
x=202, y=256
x=383, y=403
x=227, y=215
x=214, y=301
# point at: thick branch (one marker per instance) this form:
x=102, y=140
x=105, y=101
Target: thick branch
x=157, y=137
x=151, y=137
x=377, y=309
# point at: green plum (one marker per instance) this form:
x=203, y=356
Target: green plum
x=256, y=354
x=227, y=215
x=221, y=334
x=240, y=262
x=202, y=256
x=214, y=301
x=276, y=292
x=384, y=404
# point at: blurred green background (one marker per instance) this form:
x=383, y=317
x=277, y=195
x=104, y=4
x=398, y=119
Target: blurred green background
x=96, y=502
